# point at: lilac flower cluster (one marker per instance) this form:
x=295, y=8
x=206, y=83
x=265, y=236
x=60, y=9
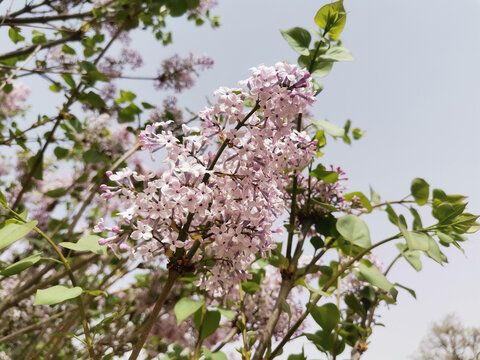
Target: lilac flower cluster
x=98, y=135
x=259, y=306
x=233, y=195
x=12, y=103
x=177, y=73
x=114, y=66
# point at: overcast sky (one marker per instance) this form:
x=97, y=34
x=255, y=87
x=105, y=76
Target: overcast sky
x=414, y=89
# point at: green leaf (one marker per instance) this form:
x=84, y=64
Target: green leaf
x=434, y=251
x=91, y=156
x=55, y=193
x=88, y=66
x=337, y=53
x=147, y=106
x=332, y=129
x=38, y=173
x=68, y=50
x=38, y=37
x=317, y=242
x=125, y=96
x=86, y=243
x=374, y=196
x=420, y=191
x=412, y=256
x=127, y=114
x=354, y=304
x=444, y=238
x=55, y=88
x=463, y=223
x=228, y=314
x=14, y=231
x=415, y=240
x=92, y=99
x=7, y=89
x=322, y=174
x=297, y=356
x=298, y=38
x=21, y=265
x=354, y=230
x=186, y=307
x=321, y=68
x=332, y=18
x=370, y=273
x=411, y=291
x=60, y=152
x=286, y=308
x=15, y=35
x=69, y=80
x=392, y=215
x=363, y=199
x=218, y=355
x=3, y=199
x=250, y=287
x=56, y=294
x=211, y=321
x=417, y=220
x=327, y=316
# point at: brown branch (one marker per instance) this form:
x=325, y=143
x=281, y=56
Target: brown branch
x=173, y=275
x=33, y=326
x=285, y=288
x=77, y=36
x=47, y=18
x=27, y=8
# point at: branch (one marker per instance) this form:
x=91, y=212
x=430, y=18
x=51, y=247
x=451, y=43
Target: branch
x=77, y=36
x=325, y=288
x=33, y=326
x=173, y=275
x=46, y=19
x=294, y=203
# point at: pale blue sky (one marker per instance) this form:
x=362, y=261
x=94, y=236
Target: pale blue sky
x=414, y=88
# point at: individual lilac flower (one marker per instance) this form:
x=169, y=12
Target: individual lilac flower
x=143, y=232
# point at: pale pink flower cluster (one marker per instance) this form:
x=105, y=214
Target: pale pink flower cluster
x=98, y=134
x=178, y=73
x=12, y=103
x=232, y=199
x=169, y=111
x=259, y=306
x=114, y=66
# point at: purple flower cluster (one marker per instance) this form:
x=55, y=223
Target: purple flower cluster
x=12, y=103
x=234, y=194
x=177, y=73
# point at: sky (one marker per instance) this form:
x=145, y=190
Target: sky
x=413, y=88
